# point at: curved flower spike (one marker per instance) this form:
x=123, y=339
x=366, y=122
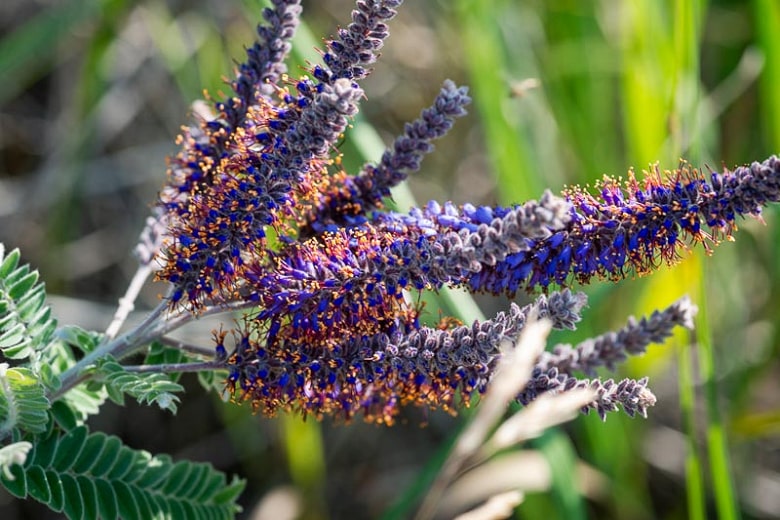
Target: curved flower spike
x=614, y=347
x=632, y=227
x=262, y=158
x=632, y=395
x=264, y=66
x=350, y=199
x=357, y=46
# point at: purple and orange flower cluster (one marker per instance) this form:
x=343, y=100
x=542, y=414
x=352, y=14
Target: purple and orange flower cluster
x=260, y=214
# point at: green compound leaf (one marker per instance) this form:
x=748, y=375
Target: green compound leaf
x=93, y=475
x=146, y=388
x=110, y=380
x=44, y=450
x=123, y=465
x=9, y=263
x=26, y=324
x=20, y=287
x=213, y=380
x=83, y=401
x=229, y=494
x=89, y=496
x=70, y=344
x=144, y=501
x=109, y=457
x=84, y=340
x=23, y=402
x=158, y=473
x=90, y=453
x=128, y=507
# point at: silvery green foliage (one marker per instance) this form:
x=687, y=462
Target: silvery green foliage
x=50, y=455
x=25, y=319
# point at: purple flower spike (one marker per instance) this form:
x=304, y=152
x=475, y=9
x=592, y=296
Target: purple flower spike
x=633, y=227
x=364, y=192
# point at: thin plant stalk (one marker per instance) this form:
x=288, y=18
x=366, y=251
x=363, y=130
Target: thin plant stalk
x=127, y=302
x=715, y=434
x=694, y=483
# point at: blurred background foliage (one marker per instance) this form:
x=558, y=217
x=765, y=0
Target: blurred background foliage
x=93, y=93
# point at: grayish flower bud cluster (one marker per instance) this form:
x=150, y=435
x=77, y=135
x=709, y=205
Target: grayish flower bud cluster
x=321, y=126
x=151, y=239
x=614, y=347
x=630, y=394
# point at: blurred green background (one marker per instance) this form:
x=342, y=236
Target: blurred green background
x=93, y=92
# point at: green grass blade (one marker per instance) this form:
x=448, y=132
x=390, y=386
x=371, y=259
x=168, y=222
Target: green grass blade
x=507, y=144
x=306, y=460
x=717, y=443
x=686, y=33
x=687, y=30
x=559, y=453
x=412, y=495
x=694, y=482
x=767, y=20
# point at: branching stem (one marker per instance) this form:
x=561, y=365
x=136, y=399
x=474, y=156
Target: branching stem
x=187, y=347
x=169, y=368
x=158, y=323
x=119, y=347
